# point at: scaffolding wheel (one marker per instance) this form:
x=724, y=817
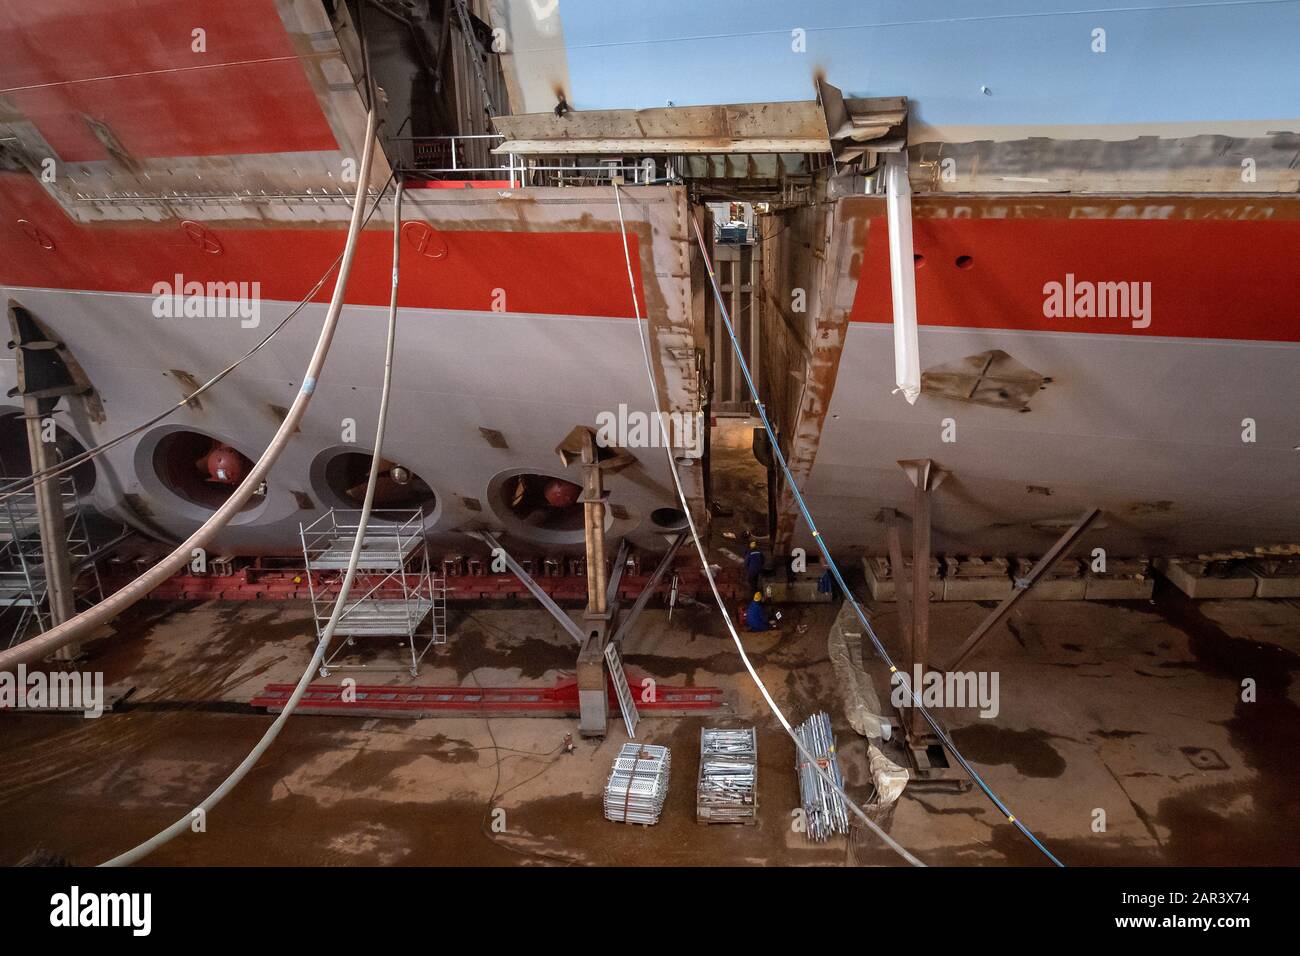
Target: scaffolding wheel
x=324, y=672
x=352, y=640
x=415, y=672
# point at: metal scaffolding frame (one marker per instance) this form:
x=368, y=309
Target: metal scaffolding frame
x=396, y=593
x=24, y=588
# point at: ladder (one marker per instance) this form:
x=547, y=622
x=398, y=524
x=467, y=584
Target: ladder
x=625, y=702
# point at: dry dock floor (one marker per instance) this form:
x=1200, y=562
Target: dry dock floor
x=1131, y=708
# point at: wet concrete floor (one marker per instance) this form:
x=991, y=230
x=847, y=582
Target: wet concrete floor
x=1131, y=710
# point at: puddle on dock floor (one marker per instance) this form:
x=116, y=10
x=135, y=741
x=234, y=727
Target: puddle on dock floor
x=1153, y=684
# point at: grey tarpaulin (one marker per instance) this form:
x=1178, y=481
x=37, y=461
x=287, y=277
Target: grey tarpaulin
x=861, y=705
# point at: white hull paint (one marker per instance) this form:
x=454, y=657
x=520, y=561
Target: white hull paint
x=531, y=378
x=1148, y=429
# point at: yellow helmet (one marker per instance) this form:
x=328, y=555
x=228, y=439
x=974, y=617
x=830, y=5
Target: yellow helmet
x=758, y=595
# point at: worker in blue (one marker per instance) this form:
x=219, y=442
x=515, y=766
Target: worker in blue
x=754, y=562
x=756, y=618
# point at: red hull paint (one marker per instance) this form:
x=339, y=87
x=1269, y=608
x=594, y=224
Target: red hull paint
x=131, y=67
x=558, y=700
x=561, y=273
x=1210, y=279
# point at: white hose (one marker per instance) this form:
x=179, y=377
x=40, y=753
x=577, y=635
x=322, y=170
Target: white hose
x=322, y=646
x=79, y=626
x=713, y=585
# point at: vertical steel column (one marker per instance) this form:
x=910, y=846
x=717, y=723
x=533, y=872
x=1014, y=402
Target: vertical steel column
x=52, y=523
x=593, y=505
x=593, y=695
x=902, y=583
x=925, y=477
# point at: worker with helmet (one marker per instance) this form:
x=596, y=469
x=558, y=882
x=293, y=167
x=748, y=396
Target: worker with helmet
x=756, y=618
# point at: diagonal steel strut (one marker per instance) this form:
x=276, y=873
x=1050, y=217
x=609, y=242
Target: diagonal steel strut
x=1039, y=570
x=555, y=610
x=643, y=598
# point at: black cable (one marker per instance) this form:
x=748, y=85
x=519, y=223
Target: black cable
x=8, y=491
x=497, y=792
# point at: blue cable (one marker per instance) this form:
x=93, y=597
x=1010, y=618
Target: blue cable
x=834, y=569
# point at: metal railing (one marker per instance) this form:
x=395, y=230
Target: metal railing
x=470, y=158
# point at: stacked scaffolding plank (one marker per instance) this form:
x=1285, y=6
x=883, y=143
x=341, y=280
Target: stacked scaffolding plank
x=638, y=784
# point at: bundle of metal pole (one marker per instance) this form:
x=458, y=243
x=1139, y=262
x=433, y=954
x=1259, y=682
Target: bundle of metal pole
x=728, y=782
x=322, y=646
x=85, y=622
x=825, y=812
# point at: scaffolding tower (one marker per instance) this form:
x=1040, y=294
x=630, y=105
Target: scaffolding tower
x=395, y=593
x=24, y=589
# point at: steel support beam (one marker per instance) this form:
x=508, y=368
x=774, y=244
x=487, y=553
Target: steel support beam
x=902, y=598
x=593, y=506
x=43, y=380
x=534, y=588
x=52, y=523
x=1023, y=585
x=642, y=599
x=925, y=476
x=616, y=576
x=593, y=676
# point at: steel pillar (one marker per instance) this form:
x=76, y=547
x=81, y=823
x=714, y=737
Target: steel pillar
x=43, y=379
x=925, y=477
x=1023, y=585
x=616, y=575
x=593, y=510
x=593, y=684
x=593, y=698
x=902, y=582
x=52, y=523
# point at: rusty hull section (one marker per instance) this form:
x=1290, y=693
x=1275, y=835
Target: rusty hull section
x=831, y=245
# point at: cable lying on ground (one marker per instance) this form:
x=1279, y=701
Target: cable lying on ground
x=717, y=595
x=322, y=646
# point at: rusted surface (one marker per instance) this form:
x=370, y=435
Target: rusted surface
x=1172, y=207
x=836, y=274
x=1060, y=160
x=749, y=127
